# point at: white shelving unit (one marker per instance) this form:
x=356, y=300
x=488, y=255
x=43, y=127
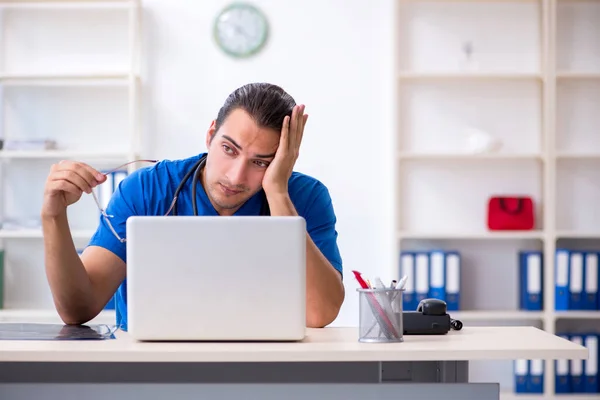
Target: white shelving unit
x=69, y=72
x=532, y=81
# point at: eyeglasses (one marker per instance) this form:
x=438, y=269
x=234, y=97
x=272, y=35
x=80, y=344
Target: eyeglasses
x=103, y=211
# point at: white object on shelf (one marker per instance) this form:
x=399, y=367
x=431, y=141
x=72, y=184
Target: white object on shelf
x=468, y=61
x=478, y=142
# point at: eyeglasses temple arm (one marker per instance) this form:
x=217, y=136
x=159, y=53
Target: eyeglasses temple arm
x=126, y=164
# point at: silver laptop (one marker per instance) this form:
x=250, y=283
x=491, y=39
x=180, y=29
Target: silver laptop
x=205, y=278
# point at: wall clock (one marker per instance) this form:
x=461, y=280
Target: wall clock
x=241, y=30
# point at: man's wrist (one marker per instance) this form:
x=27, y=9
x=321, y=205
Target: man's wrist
x=50, y=217
x=276, y=192
x=280, y=203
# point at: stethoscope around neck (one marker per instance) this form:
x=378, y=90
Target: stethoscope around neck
x=196, y=170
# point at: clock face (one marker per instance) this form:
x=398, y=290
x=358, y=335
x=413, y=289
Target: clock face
x=241, y=30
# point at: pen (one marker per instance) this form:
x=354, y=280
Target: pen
x=360, y=280
x=379, y=283
x=402, y=282
x=384, y=299
x=399, y=286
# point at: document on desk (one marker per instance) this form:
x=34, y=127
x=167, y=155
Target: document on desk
x=40, y=331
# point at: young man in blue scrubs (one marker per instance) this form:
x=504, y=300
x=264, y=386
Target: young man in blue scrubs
x=252, y=147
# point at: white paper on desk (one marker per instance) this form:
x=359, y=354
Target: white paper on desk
x=39, y=331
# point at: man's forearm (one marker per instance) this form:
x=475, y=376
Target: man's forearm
x=325, y=289
x=67, y=277
x=325, y=293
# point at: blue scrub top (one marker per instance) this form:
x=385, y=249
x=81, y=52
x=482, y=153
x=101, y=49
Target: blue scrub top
x=150, y=191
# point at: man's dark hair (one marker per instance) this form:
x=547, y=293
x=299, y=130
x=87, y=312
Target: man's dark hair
x=266, y=103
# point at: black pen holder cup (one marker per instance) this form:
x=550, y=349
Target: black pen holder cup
x=380, y=315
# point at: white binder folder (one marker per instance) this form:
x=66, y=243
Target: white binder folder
x=591, y=281
x=421, y=276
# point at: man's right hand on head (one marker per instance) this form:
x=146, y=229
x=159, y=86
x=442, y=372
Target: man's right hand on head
x=66, y=183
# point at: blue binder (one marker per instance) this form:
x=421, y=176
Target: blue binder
x=562, y=379
x=590, y=341
x=590, y=298
x=453, y=278
x=576, y=280
x=536, y=376
x=577, y=369
x=407, y=268
x=437, y=281
x=531, y=272
x=421, y=276
x=561, y=280
x=106, y=189
x=521, y=372
x=118, y=176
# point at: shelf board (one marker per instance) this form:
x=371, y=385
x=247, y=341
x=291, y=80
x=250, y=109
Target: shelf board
x=62, y=154
x=564, y=234
x=94, y=78
x=67, y=4
x=577, y=314
x=466, y=156
x=485, y=235
x=28, y=233
x=578, y=75
x=488, y=315
x=405, y=75
x=577, y=156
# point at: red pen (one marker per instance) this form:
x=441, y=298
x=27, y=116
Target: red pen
x=360, y=280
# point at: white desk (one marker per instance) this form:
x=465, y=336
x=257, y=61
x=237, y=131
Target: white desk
x=425, y=366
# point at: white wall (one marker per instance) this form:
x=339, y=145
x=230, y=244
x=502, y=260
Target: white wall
x=334, y=56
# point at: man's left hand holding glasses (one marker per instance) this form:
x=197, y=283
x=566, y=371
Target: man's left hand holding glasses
x=81, y=285
x=66, y=183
